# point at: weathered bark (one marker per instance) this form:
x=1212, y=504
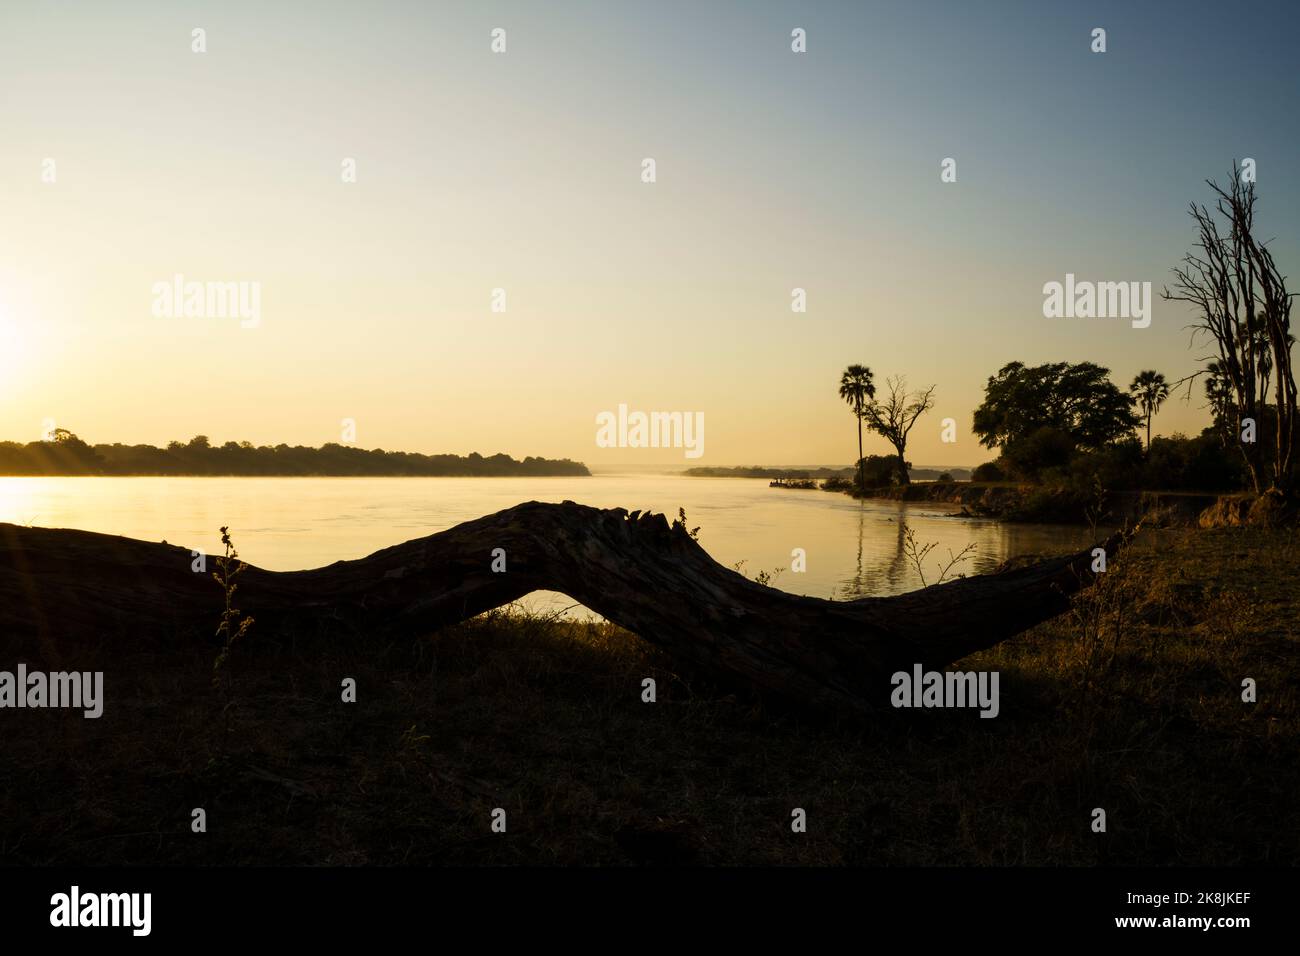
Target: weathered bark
x=62, y=587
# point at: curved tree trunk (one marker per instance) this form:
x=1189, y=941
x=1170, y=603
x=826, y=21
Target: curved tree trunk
x=59, y=588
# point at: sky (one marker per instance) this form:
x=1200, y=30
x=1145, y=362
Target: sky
x=523, y=171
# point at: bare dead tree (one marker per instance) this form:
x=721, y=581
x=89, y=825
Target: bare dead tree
x=893, y=415
x=1232, y=281
x=62, y=590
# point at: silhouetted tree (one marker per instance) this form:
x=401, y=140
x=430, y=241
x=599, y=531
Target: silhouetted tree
x=893, y=416
x=1243, y=306
x=1218, y=392
x=1079, y=402
x=877, y=470
x=1150, y=389
x=857, y=388
x=66, y=454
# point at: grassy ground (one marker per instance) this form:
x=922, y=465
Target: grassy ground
x=1131, y=703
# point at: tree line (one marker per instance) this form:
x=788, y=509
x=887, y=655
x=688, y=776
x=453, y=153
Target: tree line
x=1069, y=424
x=66, y=454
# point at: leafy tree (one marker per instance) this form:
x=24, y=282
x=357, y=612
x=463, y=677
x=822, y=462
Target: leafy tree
x=1079, y=401
x=1203, y=463
x=989, y=471
x=877, y=470
x=1150, y=389
x=66, y=454
x=1047, y=448
x=1218, y=392
x=63, y=454
x=857, y=388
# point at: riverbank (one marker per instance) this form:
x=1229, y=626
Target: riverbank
x=1131, y=702
x=1033, y=504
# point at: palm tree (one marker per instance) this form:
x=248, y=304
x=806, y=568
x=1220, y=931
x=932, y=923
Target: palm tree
x=857, y=388
x=1150, y=389
x=1219, y=393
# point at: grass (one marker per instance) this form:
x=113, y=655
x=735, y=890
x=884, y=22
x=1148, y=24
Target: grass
x=1131, y=703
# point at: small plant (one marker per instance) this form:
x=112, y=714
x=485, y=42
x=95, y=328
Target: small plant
x=232, y=626
x=917, y=554
x=681, y=523
x=412, y=740
x=764, y=578
x=1096, y=508
x=1101, y=616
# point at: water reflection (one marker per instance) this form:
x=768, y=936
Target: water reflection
x=882, y=564
x=853, y=548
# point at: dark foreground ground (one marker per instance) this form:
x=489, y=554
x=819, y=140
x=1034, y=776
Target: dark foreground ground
x=1132, y=703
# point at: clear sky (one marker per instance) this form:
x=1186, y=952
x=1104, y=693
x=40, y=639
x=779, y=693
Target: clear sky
x=522, y=170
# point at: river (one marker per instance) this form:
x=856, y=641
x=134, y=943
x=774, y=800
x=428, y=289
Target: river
x=853, y=548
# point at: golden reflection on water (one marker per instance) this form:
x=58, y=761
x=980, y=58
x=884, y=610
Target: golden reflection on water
x=853, y=548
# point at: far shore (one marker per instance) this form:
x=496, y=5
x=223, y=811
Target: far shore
x=65, y=455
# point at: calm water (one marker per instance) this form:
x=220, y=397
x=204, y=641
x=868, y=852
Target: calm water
x=853, y=548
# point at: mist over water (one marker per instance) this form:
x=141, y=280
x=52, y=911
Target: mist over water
x=854, y=548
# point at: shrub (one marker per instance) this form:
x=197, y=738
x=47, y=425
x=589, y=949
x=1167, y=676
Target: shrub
x=989, y=471
x=1203, y=463
x=1044, y=449
x=878, y=470
x=1117, y=467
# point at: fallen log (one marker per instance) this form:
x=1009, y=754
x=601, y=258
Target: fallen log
x=59, y=586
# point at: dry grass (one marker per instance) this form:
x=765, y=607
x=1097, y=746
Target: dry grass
x=1131, y=703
